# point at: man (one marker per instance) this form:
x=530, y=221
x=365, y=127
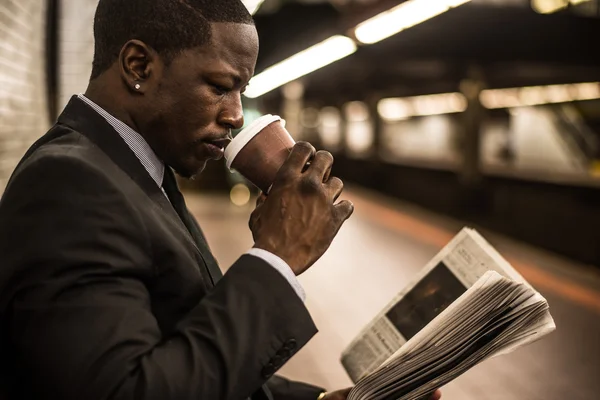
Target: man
x=108, y=289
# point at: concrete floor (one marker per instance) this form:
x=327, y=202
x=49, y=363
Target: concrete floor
x=378, y=251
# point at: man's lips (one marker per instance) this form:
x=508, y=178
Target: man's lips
x=216, y=147
x=220, y=143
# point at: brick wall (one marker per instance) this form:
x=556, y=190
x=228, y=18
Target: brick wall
x=23, y=105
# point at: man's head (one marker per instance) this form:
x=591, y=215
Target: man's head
x=175, y=70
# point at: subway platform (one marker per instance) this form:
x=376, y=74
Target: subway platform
x=379, y=250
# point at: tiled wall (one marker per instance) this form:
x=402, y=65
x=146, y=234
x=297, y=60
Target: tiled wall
x=23, y=104
x=76, y=47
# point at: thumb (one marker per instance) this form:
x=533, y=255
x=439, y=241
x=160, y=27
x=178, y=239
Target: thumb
x=344, y=209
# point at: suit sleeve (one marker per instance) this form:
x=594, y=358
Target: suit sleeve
x=285, y=389
x=74, y=287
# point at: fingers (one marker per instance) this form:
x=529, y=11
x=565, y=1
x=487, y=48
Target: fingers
x=304, y=157
x=335, y=186
x=437, y=395
x=343, y=210
x=321, y=165
x=255, y=214
x=317, y=176
x=327, y=174
x=301, y=153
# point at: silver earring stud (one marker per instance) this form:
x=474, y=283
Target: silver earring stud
x=138, y=86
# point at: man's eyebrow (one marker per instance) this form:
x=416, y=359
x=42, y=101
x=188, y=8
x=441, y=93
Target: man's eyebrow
x=228, y=75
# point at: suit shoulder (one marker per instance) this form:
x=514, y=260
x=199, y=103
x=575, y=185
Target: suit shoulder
x=68, y=164
x=61, y=148
x=62, y=143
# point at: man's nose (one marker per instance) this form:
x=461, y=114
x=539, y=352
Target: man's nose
x=232, y=116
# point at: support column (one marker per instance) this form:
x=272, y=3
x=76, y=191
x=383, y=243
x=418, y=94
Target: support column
x=372, y=101
x=471, y=87
x=473, y=194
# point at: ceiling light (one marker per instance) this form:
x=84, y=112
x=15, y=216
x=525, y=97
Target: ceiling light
x=539, y=95
x=300, y=64
x=549, y=6
x=397, y=109
x=401, y=17
x=253, y=5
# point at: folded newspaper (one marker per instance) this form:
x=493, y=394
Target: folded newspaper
x=468, y=304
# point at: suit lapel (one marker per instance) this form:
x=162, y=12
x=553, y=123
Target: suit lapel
x=89, y=123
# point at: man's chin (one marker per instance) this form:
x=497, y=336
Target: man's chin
x=189, y=172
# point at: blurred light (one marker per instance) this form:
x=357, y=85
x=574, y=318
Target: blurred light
x=552, y=6
x=305, y=62
x=397, y=109
x=293, y=90
x=539, y=95
x=359, y=127
x=588, y=91
x=309, y=118
x=549, y=6
x=394, y=109
x=359, y=137
x=356, y=111
x=401, y=17
x=595, y=169
x=330, y=131
x=253, y=5
x=514, y=111
x=240, y=195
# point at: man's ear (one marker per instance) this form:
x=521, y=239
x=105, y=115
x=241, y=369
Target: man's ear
x=137, y=63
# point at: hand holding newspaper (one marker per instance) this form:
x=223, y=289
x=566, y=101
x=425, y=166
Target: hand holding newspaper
x=468, y=304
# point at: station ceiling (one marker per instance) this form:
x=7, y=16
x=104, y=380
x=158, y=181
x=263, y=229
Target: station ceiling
x=512, y=45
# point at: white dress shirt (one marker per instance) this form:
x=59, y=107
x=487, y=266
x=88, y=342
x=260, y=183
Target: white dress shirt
x=156, y=169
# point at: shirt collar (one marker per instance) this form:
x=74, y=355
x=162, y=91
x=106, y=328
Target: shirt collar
x=138, y=145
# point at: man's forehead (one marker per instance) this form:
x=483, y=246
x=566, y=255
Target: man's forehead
x=233, y=45
x=234, y=37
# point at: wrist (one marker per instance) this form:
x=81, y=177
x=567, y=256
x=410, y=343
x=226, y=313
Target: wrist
x=285, y=258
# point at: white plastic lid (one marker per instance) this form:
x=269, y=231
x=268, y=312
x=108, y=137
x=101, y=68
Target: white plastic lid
x=247, y=134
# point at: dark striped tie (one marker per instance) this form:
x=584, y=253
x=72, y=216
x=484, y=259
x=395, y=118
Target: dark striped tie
x=178, y=202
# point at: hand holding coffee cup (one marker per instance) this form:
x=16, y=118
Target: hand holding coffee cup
x=299, y=218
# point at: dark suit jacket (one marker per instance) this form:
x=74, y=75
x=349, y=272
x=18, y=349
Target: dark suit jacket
x=106, y=294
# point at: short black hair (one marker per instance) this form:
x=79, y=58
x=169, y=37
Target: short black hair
x=168, y=26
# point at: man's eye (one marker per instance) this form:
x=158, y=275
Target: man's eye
x=220, y=90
